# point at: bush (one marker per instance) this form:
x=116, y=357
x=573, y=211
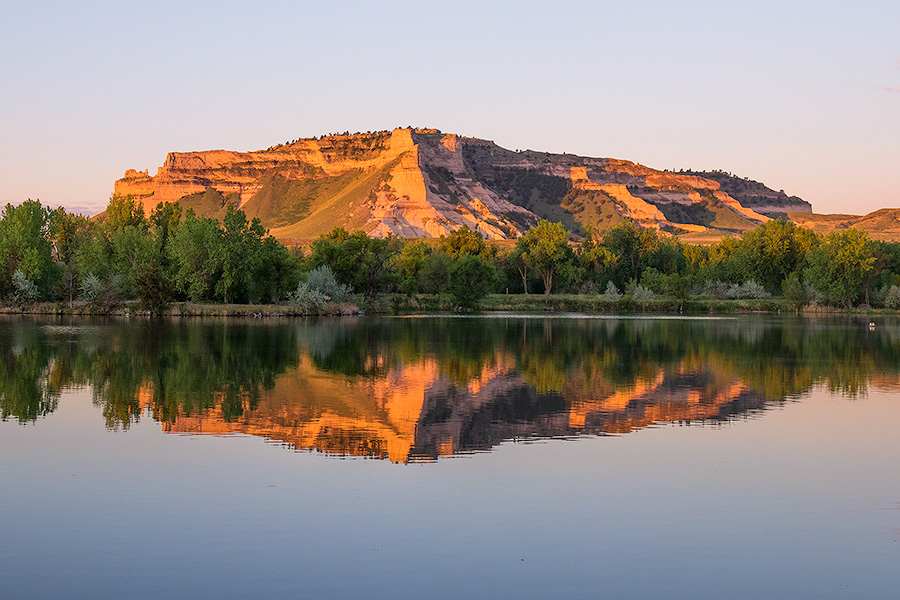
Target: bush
x=642, y=294
x=716, y=289
x=892, y=298
x=748, y=289
x=90, y=289
x=725, y=291
x=795, y=290
x=24, y=291
x=612, y=293
x=321, y=279
x=306, y=299
x=100, y=296
x=588, y=287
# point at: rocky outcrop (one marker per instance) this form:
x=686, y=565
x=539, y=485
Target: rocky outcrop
x=755, y=195
x=424, y=183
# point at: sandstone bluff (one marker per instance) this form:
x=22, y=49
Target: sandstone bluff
x=423, y=183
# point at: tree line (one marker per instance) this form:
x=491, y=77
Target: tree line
x=171, y=255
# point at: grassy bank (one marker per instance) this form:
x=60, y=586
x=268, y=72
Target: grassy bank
x=185, y=309
x=423, y=304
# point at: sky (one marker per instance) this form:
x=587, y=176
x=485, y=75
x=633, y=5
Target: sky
x=802, y=96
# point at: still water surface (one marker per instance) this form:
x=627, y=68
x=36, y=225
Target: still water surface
x=450, y=457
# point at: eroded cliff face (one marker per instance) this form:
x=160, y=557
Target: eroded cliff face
x=424, y=183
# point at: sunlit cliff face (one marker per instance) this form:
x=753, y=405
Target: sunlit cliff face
x=419, y=183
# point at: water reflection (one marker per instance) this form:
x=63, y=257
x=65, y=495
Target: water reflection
x=409, y=389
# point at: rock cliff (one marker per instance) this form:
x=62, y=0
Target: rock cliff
x=424, y=183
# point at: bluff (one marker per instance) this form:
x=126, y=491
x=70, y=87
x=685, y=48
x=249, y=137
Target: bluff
x=424, y=183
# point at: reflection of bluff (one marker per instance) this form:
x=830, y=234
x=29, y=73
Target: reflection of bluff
x=424, y=183
x=416, y=413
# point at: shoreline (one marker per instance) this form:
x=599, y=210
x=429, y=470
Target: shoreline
x=422, y=304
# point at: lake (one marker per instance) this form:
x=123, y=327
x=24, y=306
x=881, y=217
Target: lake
x=450, y=457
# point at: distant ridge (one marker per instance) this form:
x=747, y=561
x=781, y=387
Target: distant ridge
x=424, y=183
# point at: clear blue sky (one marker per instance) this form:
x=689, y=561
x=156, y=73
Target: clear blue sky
x=803, y=96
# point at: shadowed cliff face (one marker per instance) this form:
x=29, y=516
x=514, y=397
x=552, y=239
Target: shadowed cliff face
x=424, y=183
x=417, y=389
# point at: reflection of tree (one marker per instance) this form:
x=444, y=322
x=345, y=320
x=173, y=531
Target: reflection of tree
x=25, y=391
x=174, y=367
x=374, y=347
x=183, y=367
x=474, y=381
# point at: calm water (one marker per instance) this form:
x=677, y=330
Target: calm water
x=450, y=458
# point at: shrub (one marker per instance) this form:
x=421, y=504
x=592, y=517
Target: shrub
x=795, y=290
x=716, y=289
x=306, y=299
x=90, y=288
x=321, y=279
x=892, y=297
x=24, y=291
x=100, y=296
x=725, y=291
x=612, y=293
x=642, y=294
x=748, y=289
x=588, y=288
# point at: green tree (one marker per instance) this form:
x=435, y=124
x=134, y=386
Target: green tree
x=72, y=231
x=408, y=264
x=195, y=256
x=545, y=248
x=463, y=241
x=435, y=272
x=124, y=211
x=165, y=219
x=240, y=253
x=769, y=253
x=356, y=259
x=152, y=287
x=26, y=245
x=277, y=271
x=838, y=267
x=632, y=246
x=470, y=278
x=596, y=259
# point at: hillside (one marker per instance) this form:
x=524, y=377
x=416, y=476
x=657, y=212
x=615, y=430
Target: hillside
x=424, y=183
x=882, y=224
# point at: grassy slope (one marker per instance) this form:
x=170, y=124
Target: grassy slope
x=341, y=204
x=710, y=212
x=210, y=203
x=883, y=224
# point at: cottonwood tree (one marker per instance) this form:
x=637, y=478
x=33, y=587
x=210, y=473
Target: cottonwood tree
x=26, y=246
x=838, y=267
x=545, y=248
